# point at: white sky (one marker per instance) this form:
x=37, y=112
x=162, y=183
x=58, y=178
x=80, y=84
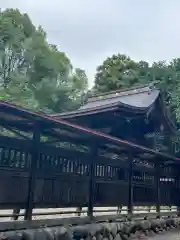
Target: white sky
x=88, y=31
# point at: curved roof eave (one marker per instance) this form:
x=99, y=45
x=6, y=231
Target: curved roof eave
x=167, y=116
x=140, y=103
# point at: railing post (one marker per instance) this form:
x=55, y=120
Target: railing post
x=157, y=182
x=92, y=159
x=32, y=174
x=130, y=183
x=16, y=211
x=119, y=209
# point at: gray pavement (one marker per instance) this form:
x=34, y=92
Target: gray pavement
x=167, y=236
x=112, y=211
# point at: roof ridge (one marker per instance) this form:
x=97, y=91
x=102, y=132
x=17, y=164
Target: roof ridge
x=122, y=90
x=119, y=93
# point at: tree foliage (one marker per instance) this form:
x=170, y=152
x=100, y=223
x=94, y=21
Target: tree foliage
x=120, y=71
x=34, y=73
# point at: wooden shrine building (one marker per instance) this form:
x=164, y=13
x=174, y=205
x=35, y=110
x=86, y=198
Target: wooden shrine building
x=47, y=162
x=138, y=115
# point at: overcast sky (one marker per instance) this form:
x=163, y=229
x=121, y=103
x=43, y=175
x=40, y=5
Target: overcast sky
x=88, y=31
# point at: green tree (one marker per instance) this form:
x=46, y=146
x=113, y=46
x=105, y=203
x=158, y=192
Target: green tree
x=34, y=71
x=19, y=93
x=15, y=30
x=174, y=82
x=61, y=88
x=116, y=72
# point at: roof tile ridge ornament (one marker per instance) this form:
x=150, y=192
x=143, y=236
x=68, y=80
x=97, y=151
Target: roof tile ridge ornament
x=122, y=92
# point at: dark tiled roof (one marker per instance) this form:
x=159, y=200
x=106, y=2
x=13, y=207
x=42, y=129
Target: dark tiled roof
x=137, y=98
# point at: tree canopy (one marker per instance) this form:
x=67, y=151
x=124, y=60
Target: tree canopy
x=120, y=71
x=34, y=73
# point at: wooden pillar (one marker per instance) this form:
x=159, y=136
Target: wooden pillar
x=157, y=185
x=92, y=160
x=32, y=174
x=16, y=211
x=176, y=194
x=130, y=183
x=79, y=211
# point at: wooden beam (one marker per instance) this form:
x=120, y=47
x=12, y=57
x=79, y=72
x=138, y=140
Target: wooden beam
x=15, y=131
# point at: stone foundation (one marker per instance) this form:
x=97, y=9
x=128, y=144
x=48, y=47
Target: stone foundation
x=116, y=230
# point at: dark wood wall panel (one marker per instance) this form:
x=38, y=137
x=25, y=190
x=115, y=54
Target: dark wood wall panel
x=62, y=178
